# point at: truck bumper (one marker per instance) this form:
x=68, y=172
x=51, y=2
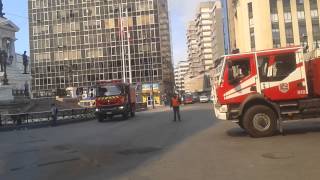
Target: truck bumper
x=110, y=111
x=220, y=111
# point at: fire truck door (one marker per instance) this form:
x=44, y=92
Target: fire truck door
x=280, y=77
x=263, y=65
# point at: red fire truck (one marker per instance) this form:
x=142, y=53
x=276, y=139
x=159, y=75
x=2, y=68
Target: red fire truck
x=115, y=98
x=260, y=90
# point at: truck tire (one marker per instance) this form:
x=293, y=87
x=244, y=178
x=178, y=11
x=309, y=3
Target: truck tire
x=260, y=121
x=240, y=123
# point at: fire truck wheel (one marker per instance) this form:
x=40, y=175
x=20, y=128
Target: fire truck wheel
x=260, y=121
x=240, y=123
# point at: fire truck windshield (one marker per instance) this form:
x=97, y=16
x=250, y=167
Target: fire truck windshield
x=109, y=90
x=218, y=67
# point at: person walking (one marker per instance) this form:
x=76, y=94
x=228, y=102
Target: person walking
x=25, y=62
x=175, y=104
x=54, y=114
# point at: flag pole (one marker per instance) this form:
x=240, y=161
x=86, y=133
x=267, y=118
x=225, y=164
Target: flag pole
x=129, y=49
x=122, y=45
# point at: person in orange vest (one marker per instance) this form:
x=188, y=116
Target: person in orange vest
x=175, y=104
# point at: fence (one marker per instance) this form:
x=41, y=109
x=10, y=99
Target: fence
x=13, y=121
x=35, y=119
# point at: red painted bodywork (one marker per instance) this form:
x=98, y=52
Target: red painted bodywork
x=110, y=101
x=313, y=73
x=226, y=86
x=188, y=100
x=297, y=89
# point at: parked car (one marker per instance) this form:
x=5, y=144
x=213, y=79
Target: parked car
x=188, y=100
x=195, y=98
x=204, y=99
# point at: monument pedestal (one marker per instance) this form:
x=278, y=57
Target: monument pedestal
x=6, y=93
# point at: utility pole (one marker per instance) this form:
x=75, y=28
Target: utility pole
x=152, y=78
x=122, y=45
x=129, y=49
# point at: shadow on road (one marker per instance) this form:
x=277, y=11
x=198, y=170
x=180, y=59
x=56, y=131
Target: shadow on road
x=110, y=149
x=290, y=128
x=237, y=132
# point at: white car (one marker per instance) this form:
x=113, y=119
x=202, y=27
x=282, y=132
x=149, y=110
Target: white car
x=204, y=99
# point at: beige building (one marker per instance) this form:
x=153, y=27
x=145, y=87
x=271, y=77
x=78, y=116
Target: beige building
x=204, y=34
x=266, y=24
x=216, y=13
x=195, y=64
x=205, y=40
x=179, y=75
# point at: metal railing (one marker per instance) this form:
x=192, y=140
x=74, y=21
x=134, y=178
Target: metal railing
x=13, y=121
x=35, y=119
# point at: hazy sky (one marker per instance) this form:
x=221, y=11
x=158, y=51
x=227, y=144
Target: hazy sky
x=180, y=11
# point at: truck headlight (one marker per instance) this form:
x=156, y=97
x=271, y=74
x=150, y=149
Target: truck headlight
x=97, y=110
x=121, y=107
x=223, y=109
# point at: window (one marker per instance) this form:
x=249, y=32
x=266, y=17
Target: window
x=300, y=15
x=274, y=18
x=287, y=17
x=238, y=70
x=289, y=34
x=85, y=25
x=252, y=39
x=314, y=13
x=283, y=66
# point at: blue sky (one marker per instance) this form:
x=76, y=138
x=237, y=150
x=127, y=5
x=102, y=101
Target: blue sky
x=181, y=11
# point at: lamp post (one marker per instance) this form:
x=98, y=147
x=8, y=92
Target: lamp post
x=121, y=8
x=122, y=44
x=152, y=74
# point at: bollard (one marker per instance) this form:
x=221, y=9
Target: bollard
x=19, y=119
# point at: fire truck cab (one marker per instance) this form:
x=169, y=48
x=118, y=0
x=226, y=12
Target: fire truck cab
x=261, y=89
x=115, y=98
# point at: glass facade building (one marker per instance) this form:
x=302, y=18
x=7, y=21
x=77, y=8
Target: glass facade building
x=74, y=43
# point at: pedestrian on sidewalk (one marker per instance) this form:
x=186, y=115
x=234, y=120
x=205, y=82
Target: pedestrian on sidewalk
x=54, y=114
x=175, y=104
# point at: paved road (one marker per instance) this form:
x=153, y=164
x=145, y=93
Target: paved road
x=151, y=147
x=93, y=150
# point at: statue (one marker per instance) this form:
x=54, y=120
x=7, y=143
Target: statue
x=4, y=57
x=1, y=9
x=25, y=62
x=1, y=62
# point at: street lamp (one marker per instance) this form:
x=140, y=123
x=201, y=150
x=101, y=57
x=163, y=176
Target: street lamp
x=151, y=63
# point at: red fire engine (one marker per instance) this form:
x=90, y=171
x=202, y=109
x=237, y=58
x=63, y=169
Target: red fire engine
x=115, y=98
x=260, y=90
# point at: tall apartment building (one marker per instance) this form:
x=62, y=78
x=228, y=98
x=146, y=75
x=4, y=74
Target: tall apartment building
x=179, y=75
x=75, y=43
x=204, y=34
x=195, y=64
x=205, y=44
x=218, y=44
x=266, y=24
